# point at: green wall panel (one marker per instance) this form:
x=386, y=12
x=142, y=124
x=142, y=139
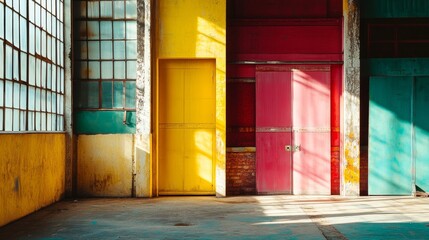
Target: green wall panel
x=396, y=67
x=104, y=122
x=421, y=126
x=390, y=136
x=394, y=8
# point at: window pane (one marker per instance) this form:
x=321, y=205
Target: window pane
x=1, y=59
x=38, y=71
x=31, y=39
x=1, y=93
x=8, y=29
x=43, y=100
x=31, y=70
x=1, y=119
x=15, y=120
x=23, y=8
x=93, y=31
x=93, y=9
x=48, y=102
x=106, y=70
x=88, y=95
x=83, y=70
x=119, y=9
x=106, y=9
x=93, y=50
x=8, y=62
x=107, y=94
x=8, y=119
x=38, y=121
x=38, y=100
x=131, y=9
x=49, y=76
x=83, y=50
x=30, y=121
x=131, y=49
x=119, y=69
x=130, y=95
x=2, y=19
x=23, y=101
x=16, y=65
x=31, y=98
x=8, y=94
x=118, y=89
x=23, y=34
x=105, y=29
x=119, y=52
x=16, y=31
x=131, y=69
x=94, y=70
x=119, y=30
x=106, y=50
x=16, y=92
x=43, y=80
x=131, y=30
x=23, y=62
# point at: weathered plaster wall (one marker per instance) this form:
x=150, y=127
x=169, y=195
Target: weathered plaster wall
x=351, y=101
x=104, y=167
x=32, y=173
x=143, y=138
x=190, y=29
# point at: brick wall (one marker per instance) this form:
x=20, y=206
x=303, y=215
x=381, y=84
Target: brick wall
x=364, y=171
x=240, y=173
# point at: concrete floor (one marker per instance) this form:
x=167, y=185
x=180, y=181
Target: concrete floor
x=260, y=217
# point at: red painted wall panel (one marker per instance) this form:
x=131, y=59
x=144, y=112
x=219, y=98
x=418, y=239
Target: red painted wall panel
x=282, y=8
x=317, y=40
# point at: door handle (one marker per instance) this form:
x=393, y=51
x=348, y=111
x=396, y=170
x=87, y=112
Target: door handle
x=297, y=148
x=288, y=148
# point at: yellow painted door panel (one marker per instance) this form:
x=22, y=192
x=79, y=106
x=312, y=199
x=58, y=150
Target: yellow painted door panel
x=186, y=126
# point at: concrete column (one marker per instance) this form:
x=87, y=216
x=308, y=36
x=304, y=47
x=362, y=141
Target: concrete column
x=142, y=164
x=70, y=181
x=350, y=127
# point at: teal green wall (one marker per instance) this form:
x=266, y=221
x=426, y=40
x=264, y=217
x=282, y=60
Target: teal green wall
x=390, y=136
x=104, y=122
x=394, y=8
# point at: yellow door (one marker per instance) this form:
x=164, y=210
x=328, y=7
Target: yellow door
x=186, y=127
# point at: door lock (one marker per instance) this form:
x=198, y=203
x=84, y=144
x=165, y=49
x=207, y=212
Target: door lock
x=295, y=148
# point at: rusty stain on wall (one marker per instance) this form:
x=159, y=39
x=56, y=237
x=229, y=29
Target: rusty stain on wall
x=104, y=165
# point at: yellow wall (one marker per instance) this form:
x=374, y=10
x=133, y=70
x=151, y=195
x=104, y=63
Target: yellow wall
x=104, y=165
x=32, y=169
x=189, y=29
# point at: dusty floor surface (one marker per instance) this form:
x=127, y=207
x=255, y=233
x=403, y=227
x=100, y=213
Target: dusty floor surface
x=259, y=217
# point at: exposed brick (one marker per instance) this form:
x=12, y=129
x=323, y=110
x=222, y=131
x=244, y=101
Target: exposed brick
x=240, y=174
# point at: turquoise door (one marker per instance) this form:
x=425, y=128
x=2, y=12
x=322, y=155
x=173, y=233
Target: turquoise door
x=390, y=165
x=421, y=128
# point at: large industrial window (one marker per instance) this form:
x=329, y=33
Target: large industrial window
x=105, y=43
x=31, y=65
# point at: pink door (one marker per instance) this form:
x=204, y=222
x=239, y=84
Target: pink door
x=273, y=132
x=293, y=129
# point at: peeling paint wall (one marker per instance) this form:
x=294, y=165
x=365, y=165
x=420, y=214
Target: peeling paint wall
x=350, y=129
x=32, y=173
x=192, y=29
x=104, y=167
